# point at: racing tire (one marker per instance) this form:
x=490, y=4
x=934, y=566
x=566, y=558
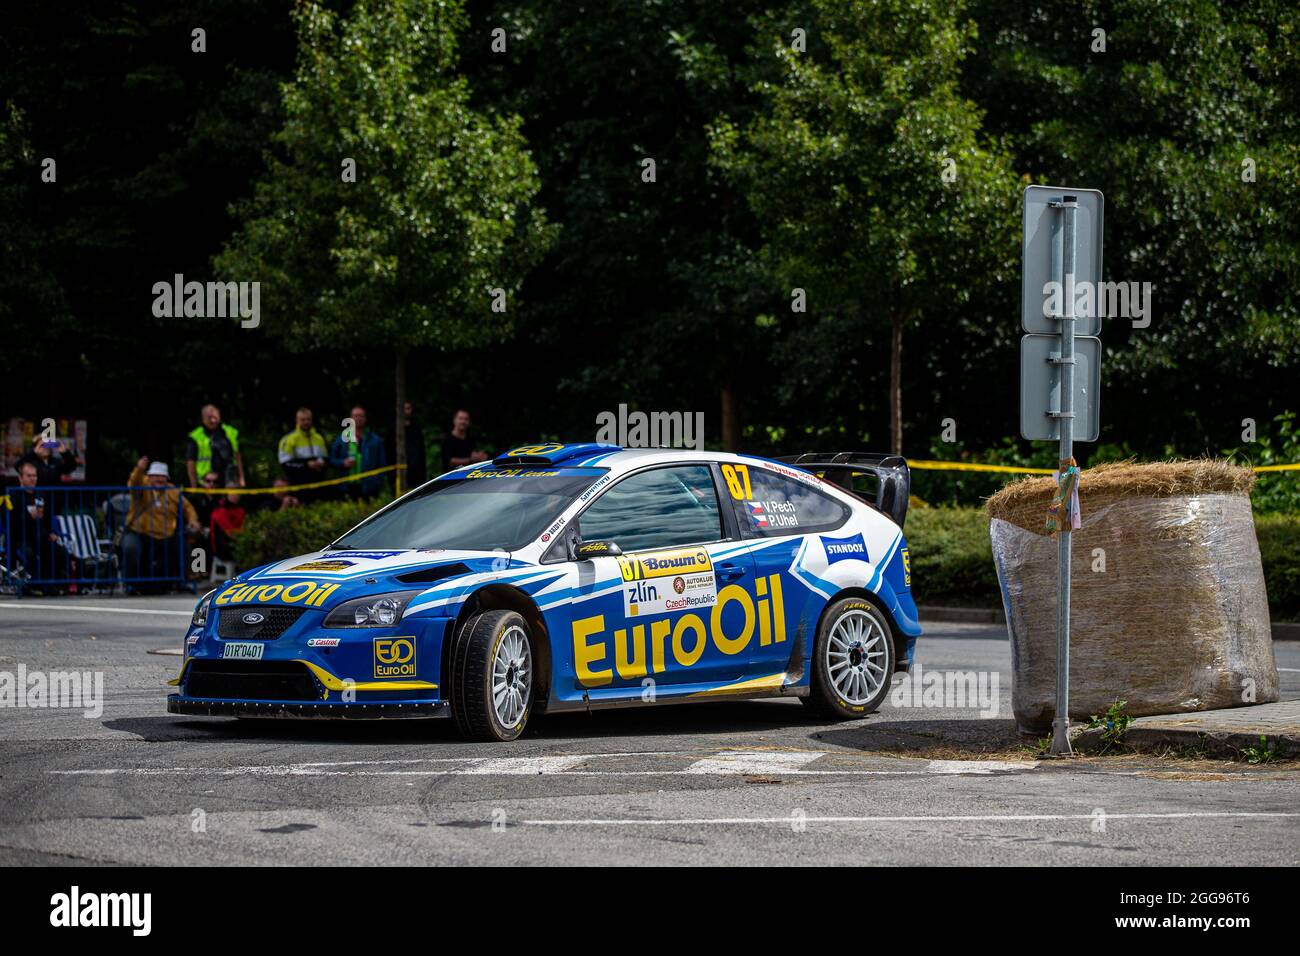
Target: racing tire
x=853, y=661
x=493, y=676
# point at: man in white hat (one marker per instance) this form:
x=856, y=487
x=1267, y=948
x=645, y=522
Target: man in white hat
x=151, y=548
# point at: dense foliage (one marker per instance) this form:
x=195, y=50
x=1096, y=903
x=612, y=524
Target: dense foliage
x=774, y=167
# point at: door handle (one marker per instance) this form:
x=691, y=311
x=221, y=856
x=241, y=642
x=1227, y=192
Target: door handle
x=730, y=572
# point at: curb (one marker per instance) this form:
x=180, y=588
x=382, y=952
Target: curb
x=966, y=615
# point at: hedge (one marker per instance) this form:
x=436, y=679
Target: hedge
x=952, y=559
x=276, y=535
x=1279, y=547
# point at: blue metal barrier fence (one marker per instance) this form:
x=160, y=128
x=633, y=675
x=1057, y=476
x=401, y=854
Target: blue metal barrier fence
x=97, y=538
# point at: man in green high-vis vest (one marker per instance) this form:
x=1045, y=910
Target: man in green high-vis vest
x=214, y=447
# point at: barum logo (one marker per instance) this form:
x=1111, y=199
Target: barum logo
x=57, y=690
x=209, y=300
x=74, y=909
x=651, y=429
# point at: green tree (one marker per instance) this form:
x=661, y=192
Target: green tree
x=867, y=170
x=438, y=229
x=1186, y=114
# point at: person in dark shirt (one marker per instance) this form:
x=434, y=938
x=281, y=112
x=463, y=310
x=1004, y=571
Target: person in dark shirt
x=52, y=460
x=36, y=546
x=417, y=471
x=457, y=447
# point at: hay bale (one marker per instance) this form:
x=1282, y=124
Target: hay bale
x=1178, y=619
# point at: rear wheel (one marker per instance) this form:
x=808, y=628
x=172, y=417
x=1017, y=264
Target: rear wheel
x=492, y=677
x=853, y=660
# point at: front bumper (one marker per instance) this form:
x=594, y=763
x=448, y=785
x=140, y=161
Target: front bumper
x=176, y=704
x=311, y=671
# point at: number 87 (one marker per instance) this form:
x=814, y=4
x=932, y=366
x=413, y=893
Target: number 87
x=738, y=482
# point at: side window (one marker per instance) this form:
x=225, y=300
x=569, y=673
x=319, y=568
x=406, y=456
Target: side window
x=767, y=504
x=661, y=508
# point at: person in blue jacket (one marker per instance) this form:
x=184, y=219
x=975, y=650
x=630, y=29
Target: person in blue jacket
x=364, y=452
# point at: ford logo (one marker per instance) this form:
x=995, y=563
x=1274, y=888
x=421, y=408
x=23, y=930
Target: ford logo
x=253, y=618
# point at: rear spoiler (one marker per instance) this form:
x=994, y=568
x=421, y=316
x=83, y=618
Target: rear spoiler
x=891, y=471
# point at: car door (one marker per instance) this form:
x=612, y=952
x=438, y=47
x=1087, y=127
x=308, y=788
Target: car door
x=780, y=516
x=678, y=616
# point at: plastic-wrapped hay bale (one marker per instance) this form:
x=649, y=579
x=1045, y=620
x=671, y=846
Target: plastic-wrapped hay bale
x=1168, y=608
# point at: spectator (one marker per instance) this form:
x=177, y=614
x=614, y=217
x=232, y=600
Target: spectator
x=283, y=499
x=457, y=447
x=52, y=460
x=203, y=507
x=150, y=544
x=35, y=545
x=303, y=451
x=363, y=453
x=214, y=447
x=417, y=468
x=227, y=522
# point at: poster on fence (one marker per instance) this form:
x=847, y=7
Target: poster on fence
x=68, y=444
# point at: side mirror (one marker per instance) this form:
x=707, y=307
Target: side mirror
x=586, y=550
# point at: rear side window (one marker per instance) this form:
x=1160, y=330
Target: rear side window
x=662, y=508
x=766, y=504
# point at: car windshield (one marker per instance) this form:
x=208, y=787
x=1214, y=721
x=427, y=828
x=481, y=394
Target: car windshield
x=487, y=509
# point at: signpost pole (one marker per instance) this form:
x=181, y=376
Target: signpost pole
x=1061, y=724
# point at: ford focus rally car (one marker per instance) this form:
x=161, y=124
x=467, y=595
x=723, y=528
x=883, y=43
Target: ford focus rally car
x=576, y=577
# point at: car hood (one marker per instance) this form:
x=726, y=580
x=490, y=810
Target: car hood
x=322, y=579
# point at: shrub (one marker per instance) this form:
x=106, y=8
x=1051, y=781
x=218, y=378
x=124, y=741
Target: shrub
x=952, y=557
x=1279, y=547
x=276, y=535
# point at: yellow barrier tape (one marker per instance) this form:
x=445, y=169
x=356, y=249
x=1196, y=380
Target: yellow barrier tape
x=1294, y=467
x=971, y=466
x=325, y=483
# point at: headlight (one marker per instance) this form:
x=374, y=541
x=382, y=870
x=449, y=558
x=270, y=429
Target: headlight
x=200, y=617
x=378, y=610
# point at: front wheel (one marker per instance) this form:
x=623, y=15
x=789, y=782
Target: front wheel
x=853, y=660
x=492, y=676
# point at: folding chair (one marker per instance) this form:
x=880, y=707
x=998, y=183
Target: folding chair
x=80, y=535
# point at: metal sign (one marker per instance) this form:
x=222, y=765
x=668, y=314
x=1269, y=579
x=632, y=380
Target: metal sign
x=1060, y=364
x=1041, y=250
x=1040, y=387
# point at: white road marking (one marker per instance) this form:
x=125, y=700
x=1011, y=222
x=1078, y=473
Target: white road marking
x=970, y=818
x=510, y=766
x=729, y=763
x=99, y=608
x=1290, y=670
x=755, y=761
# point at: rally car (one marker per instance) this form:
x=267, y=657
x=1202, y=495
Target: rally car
x=577, y=577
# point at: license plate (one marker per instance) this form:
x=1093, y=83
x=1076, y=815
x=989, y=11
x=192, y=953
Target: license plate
x=243, y=650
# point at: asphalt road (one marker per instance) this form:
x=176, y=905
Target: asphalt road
x=737, y=782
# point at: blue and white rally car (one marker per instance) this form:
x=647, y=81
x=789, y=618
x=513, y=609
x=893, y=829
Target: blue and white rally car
x=575, y=577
